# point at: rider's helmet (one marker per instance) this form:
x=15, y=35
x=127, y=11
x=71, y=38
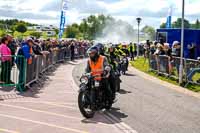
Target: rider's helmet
x=101, y=49
x=93, y=53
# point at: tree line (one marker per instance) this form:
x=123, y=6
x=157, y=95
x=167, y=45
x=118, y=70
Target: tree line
x=187, y=24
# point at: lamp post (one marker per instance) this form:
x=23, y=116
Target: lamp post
x=138, y=21
x=182, y=44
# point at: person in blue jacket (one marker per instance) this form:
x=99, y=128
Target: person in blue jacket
x=24, y=53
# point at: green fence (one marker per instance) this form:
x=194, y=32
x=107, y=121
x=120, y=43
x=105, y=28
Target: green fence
x=13, y=72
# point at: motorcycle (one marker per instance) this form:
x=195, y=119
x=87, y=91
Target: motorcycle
x=124, y=65
x=92, y=96
x=117, y=80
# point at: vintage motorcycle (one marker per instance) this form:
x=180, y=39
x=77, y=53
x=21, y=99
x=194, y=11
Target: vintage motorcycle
x=92, y=95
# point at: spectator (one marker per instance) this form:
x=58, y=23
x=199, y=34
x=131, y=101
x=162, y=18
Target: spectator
x=12, y=45
x=131, y=52
x=176, y=52
x=167, y=50
x=152, y=49
x=147, y=49
x=168, y=53
x=36, y=48
x=72, y=49
x=191, y=49
x=159, y=50
x=135, y=49
x=27, y=52
x=6, y=61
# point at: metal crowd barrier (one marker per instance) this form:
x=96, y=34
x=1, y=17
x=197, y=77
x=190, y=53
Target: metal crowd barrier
x=170, y=66
x=23, y=75
x=190, y=65
x=41, y=64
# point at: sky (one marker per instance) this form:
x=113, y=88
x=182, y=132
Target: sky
x=152, y=12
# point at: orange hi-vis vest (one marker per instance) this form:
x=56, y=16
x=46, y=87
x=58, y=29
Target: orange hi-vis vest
x=30, y=59
x=97, y=68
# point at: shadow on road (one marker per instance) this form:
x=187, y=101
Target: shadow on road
x=124, y=91
x=117, y=113
x=129, y=74
x=7, y=88
x=107, y=119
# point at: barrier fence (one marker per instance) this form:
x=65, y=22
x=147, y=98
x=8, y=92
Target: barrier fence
x=169, y=66
x=20, y=74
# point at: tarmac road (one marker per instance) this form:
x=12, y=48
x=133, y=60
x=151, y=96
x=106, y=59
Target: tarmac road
x=51, y=108
x=149, y=106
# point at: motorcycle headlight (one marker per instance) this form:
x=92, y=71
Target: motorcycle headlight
x=84, y=80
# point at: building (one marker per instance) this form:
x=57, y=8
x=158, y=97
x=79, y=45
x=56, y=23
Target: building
x=49, y=30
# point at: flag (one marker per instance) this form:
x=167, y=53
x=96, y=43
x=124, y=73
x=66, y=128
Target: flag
x=63, y=18
x=169, y=18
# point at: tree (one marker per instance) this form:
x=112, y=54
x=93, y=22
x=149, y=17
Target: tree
x=72, y=32
x=36, y=34
x=98, y=27
x=197, y=24
x=2, y=33
x=163, y=25
x=178, y=23
x=21, y=28
x=150, y=31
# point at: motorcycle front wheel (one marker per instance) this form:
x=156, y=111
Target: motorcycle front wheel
x=85, y=106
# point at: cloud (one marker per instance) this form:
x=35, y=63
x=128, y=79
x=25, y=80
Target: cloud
x=153, y=12
x=23, y=15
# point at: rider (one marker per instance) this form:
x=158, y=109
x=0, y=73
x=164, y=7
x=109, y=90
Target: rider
x=112, y=61
x=97, y=65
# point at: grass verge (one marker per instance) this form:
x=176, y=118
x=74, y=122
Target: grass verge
x=143, y=66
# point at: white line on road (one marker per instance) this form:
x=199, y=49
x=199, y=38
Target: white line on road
x=40, y=111
x=54, y=114
x=7, y=131
x=47, y=103
x=124, y=128
x=43, y=123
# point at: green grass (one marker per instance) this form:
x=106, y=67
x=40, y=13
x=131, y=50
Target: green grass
x=143, y=66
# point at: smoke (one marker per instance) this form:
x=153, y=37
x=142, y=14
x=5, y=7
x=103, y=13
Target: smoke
x=117, y=32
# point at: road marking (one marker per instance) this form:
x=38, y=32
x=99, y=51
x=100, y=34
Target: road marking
x=39, y=111
x=28, y=101
x=54, y=114
x=48, y=103
x=7, y=131
x=43, y=123
x=119, y=124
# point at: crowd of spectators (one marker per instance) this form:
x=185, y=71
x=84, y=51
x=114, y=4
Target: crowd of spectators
x=172, y=54
x=13, y=52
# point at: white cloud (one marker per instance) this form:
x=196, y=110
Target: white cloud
x=153, y=12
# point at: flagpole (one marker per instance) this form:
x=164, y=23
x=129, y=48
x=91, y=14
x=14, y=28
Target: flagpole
x=182, y=44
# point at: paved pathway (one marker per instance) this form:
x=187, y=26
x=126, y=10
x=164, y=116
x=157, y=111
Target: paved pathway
x=149, y=105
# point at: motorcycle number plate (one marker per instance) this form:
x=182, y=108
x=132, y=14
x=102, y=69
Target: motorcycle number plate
x=96, y=84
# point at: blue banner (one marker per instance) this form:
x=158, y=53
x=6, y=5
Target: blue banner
x=169, y=22
x=63, y=18
x=62, y=24
x=169, y=18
